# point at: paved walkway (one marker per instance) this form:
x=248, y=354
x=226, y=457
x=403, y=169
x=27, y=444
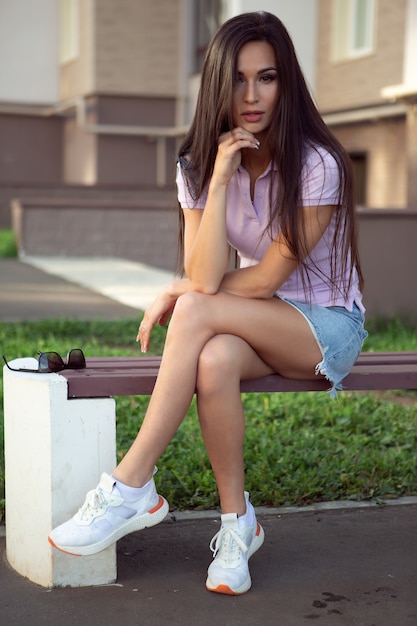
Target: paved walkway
x=336, y=568
x=347, y=566
x=131, y=284
x=41, y=288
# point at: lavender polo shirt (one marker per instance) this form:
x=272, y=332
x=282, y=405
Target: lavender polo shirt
x=246, y=222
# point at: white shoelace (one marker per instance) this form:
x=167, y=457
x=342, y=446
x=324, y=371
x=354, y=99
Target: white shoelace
x=228, y=543
x=94, y=504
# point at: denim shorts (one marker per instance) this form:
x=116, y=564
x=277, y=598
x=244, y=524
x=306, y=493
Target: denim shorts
x=340, y=335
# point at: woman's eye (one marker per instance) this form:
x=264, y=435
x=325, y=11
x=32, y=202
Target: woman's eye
x=268, y=78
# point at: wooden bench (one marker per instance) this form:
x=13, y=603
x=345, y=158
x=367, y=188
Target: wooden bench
x=60, y=434
x=135, y=376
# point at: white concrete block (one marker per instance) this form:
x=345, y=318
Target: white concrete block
x=55, y=451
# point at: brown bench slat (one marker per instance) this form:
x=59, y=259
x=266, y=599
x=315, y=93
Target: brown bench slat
x=117, y=376
x=386, y=358
x=364, y=357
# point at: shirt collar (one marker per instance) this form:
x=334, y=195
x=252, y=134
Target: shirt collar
x=272, y=166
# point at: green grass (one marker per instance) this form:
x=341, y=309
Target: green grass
x=8, y=248
x=300, y=448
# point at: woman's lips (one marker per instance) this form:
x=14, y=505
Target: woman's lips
x=252, y=116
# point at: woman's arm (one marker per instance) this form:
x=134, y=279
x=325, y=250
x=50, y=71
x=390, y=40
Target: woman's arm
x=206, y=253
x=277, y=265
x=206, y=250
x=258, y=281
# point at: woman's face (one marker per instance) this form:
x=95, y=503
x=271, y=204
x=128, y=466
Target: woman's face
x=256, y=91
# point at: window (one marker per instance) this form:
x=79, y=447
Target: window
x=359, y=164
x=208, y=15
x=68, y=30
x=353, y=28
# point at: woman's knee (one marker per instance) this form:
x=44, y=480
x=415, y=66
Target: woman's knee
x=191, y=307
x=216, y=365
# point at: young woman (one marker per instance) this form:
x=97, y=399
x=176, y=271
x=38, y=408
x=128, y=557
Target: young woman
x=258, y=172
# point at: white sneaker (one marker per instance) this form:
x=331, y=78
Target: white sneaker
x=233, y=546
x=105, y=517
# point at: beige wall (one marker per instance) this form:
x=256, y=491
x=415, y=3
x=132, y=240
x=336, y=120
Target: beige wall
x=343, y=86
x=412, y=156
x=354, y=83
x=126, y=48
x=77, y=76
x=102, y=157
x=137, y=47
x=383, y=144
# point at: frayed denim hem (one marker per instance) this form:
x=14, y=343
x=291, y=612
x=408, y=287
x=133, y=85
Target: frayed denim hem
x=339, y=334
x=335, y=386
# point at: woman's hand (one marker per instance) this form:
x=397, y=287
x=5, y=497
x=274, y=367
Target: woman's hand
x=158, y=313
x=206, y=249
x=161, y=309
x=229, y=154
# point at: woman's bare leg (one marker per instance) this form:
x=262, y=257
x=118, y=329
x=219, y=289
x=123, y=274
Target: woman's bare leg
x=224, y=362
x=277, y=336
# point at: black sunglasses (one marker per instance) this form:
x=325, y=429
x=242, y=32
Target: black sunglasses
x=52, y=362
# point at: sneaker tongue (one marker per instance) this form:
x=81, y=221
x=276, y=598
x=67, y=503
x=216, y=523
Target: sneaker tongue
x=229, y=520
x=107, y=482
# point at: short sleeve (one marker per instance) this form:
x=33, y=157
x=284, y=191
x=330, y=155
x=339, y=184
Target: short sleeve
x=320, y=179
x=184, y=197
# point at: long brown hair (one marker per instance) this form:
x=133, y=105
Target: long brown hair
x=296, y=126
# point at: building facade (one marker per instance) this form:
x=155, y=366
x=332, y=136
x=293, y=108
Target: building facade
x=110, y=86
x=95, y=96
x=366, y=90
